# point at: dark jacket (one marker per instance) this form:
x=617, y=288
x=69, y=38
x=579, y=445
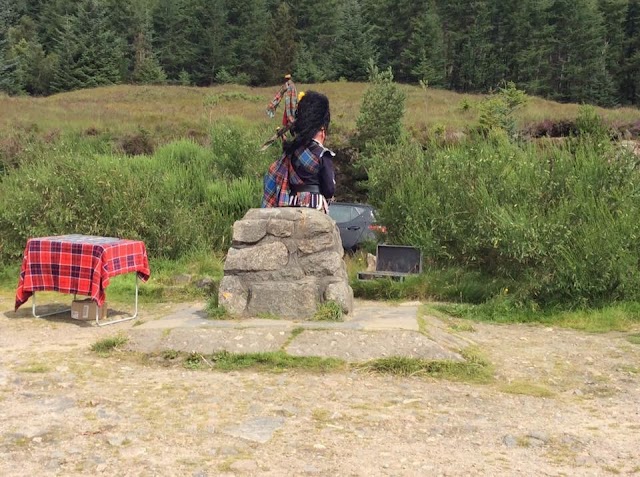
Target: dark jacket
x=325, y=178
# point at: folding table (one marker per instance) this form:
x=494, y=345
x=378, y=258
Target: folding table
x=79, y=265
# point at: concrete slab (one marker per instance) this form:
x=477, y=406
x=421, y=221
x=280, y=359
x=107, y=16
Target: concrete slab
x=355, y=346
x=207, y=340
x=366, y=316
x=375, y=316
x=374, y=330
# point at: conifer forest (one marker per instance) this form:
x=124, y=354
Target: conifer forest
x=585, y=51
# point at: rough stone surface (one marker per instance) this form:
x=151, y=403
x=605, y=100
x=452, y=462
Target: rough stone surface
x=300, y=299
x=272, y=256
x=323, y=264
x=341, y=293
x=280, y=228
x=208, y=340
x=249, y=231
x=323, y=241
x=206, y=283
x=291, y=273
x=284, y=262
x=312, y=225
x=343, y=422
x=259, y=430
x=233, y=295
x=282, y=213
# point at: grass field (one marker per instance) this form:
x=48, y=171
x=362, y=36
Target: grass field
x=167, y=112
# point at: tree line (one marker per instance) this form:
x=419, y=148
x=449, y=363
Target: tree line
x=566, y=50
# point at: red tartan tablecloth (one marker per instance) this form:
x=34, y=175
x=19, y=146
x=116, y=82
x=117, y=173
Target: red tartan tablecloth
x=78, y=264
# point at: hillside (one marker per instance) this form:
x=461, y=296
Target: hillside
x=166, y=112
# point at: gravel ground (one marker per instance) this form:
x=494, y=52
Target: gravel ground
x=562, y=403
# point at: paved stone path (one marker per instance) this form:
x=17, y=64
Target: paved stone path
x=372, y=331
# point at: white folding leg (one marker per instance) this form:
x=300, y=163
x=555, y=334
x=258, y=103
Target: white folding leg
x=127, y=318
x=33, y=308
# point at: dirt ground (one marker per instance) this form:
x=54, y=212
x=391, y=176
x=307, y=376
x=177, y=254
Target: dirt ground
x=562, y=403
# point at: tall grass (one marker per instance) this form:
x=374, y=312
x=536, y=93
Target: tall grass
x=183, y=198
x=563, y=222
x=614, y=317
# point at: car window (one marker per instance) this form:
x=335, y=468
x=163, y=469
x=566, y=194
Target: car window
x=340, y=213
x=365, y=213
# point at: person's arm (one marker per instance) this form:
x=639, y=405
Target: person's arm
x=277, y=98
x=327, y=177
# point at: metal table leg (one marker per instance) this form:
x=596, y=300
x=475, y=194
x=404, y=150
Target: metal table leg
x=135, y=314
x=33, y=308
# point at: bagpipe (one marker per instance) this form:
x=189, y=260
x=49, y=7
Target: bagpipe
x=280, y=132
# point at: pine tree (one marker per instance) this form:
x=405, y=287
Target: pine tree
x=466, y=35
x=146, y=69
x=380, y=117
x=51, y=20
x=316, y=25
x=392, y=24
x=354, y=44
x=579, y=52
x=103, y=49
x=423, y=57
x=630, y=71
x=28, y=68
x=8, y=82
x=531, y=68
x=208, y=35
x=9, y=73
x=65, y=77
x=128, y=20
x=10, y=13
x=280, y=46
x=32, y=69
x=512, y=34
x=172, y=42
x=614, y=13
x=306, y=69
x=247, y=24
x=89, y=52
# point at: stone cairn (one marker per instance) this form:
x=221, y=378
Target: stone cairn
x=284, y=262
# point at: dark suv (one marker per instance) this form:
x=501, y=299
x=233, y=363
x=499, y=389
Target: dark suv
x=357, y=223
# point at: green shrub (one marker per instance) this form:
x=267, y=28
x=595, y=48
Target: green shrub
x=235, y=149
x=149, y=71
x=497, y=111
x=465, y=104
x=440, y=284
x=214, y=309
x=184, y=78
x=380, y=117
x=589, y=123
x=561, y=221
x=176, y=200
